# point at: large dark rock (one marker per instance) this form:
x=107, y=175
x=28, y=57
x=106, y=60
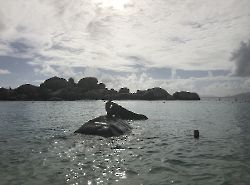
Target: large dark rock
x=88, y=83
x=124, y=90
x=27, y=92
x=115, y=110
x=27, y=89
x=5, y=94
x=185, y=95
x=105, y=126
x=140, y=92
x=156, y=93
x=101, y=86
x=115, y=123
x=54, y=83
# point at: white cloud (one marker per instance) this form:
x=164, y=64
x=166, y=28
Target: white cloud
x=129, y=36
x=4, y=72
x=177, y=34
x=205, y=86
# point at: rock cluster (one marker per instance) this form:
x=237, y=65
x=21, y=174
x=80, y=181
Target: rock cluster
x=55, y=89
x=111, y=124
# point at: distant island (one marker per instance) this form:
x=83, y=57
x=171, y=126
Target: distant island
x=241, y=96
x=56, y=89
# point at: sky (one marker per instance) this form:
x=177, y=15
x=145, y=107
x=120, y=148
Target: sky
x=194, y=45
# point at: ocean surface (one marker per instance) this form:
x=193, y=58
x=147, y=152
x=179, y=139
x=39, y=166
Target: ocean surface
x=38, y=145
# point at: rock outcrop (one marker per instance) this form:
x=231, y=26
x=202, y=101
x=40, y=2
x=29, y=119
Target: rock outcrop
x=117, y=111
x=88, y=88
x=54, y=83
x=124, y=90
x=156, y=93
x=27, y=92
x=115, y=123
x=185, y=95
x=5, y=94
x=86, y=84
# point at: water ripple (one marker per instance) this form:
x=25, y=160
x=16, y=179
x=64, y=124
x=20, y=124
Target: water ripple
x=38, y=146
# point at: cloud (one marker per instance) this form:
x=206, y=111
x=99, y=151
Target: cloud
x=241, y=57
x=4, y=72
x=2, y=26
x=147, y=42
x=82, y=33
x=46, y=70
x=205, y=86
x=62, y=71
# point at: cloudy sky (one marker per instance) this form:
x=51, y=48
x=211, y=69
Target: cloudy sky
x=194, y=45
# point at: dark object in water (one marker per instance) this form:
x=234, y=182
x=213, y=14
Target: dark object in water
x=105, y=126
x=115, y=123
x=196, y=134
x=117, y=111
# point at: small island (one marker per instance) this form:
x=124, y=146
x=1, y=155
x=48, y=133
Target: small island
x=88, y=88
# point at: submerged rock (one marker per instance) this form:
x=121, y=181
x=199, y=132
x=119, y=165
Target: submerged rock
x=105, y=126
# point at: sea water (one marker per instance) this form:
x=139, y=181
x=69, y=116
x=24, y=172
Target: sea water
x=38, y=144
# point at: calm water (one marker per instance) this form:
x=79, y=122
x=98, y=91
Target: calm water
x=38, y=146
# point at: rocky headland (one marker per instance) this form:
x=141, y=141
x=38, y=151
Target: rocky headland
x=56, y=89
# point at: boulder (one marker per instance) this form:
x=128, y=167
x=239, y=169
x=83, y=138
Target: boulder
x=27, y=89
x=5, y=93
x=101, y=86
x=115, y=123
x=88, y=83
x=185, y=95
x=140, y=92
x=27, y=92
x=156, y=93
x=105, y=126
x=117, y=111
x=124, y=90
x=54, y=83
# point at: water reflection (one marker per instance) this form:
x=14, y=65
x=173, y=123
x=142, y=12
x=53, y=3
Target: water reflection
x=94, y=160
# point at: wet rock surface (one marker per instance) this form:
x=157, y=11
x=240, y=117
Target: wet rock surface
x=105, y=126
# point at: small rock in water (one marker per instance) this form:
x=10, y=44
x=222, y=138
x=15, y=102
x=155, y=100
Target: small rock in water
x=196, y=134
